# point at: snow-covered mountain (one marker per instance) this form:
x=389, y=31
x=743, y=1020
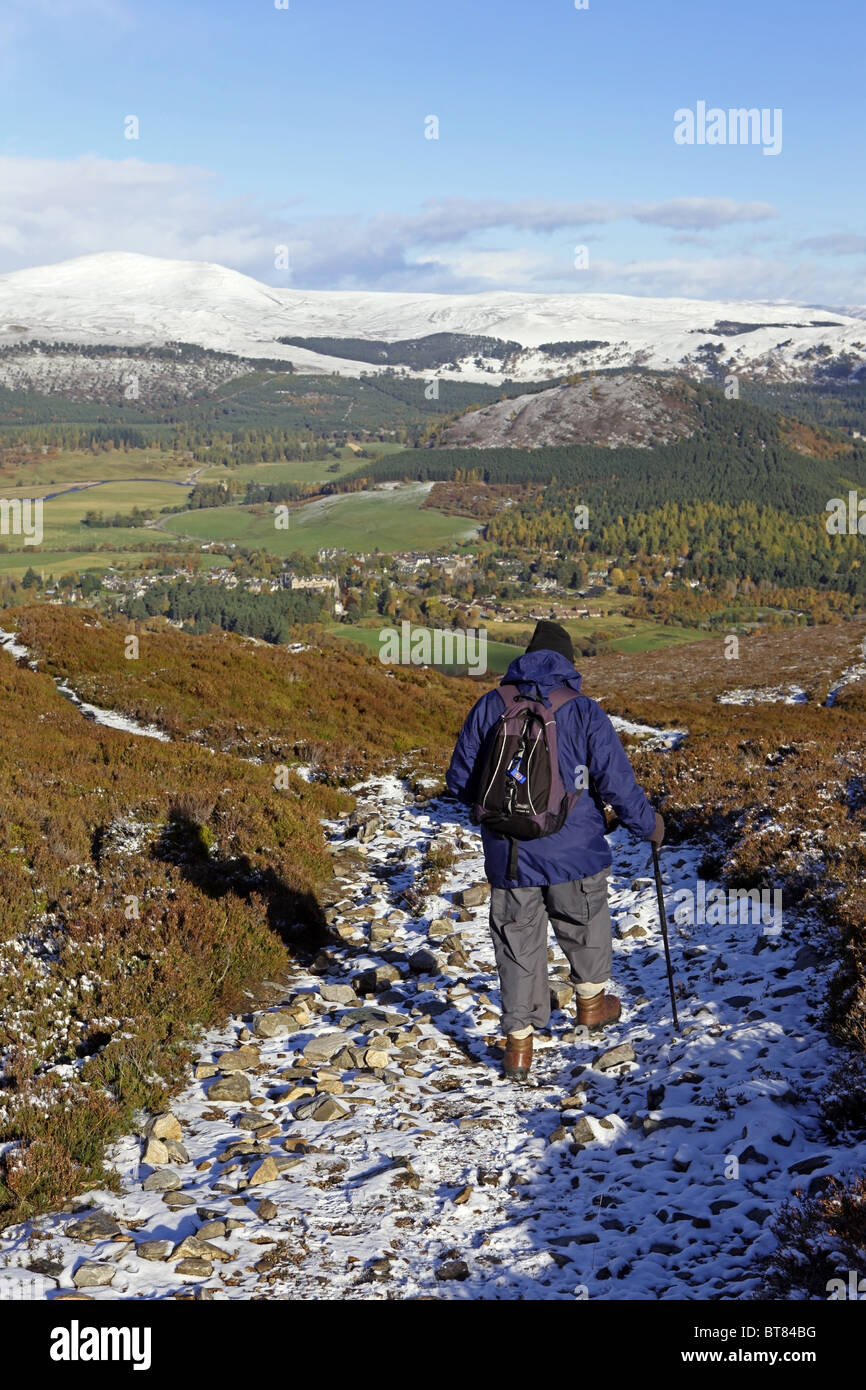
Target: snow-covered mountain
x=133, y=300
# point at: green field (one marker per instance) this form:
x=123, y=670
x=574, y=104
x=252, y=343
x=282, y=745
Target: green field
x=623, y=634
x=310, y=471
x=387, y=520
x=648, y=636
x=41, y=473
x=57, y=562
x=499, y=654
x=294, y=470
x=62, y=516
x=357, y=521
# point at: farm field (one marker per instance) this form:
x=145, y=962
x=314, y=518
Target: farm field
x=357, y=521
x=15, y=564
x=625, y=634
x=289, y=470
x=644, y=637
x=499, y=654
x=63, y=516
x=41, y=474
x=75, y=467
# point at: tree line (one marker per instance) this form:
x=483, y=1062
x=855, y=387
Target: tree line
x=200, y=606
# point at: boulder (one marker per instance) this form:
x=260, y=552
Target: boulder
x=91, y=1275
x=99, y=1225
x=473, y=896
x=338, y=994
x=238, y=1059
x=615, y=1057
x=323, y=1047
x=234, y=1087
x=165, y=1126
x=274, y=1025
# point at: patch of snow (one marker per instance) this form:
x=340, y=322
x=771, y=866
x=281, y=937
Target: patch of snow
x=779, y=694
x=851, y=673
x=655, y=738
x=111, y=718
x=10, y=645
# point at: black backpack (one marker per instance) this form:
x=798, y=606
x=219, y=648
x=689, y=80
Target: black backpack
x=519, y=791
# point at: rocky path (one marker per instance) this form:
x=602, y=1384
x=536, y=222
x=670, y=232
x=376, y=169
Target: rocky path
x=355, y=1140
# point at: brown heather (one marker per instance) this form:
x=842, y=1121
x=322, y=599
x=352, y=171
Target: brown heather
x=223, y=866
x=821, y=1238
x=331, y=704
x=778, y=791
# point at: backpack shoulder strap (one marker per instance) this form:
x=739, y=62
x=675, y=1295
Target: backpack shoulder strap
x=558, y=697
x=511, y=697
x=562, y=695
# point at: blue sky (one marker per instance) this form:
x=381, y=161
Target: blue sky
x=305, y=127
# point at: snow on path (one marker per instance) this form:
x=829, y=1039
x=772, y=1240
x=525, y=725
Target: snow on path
x=112, y=719
x=662, y=1191
x=15, y=649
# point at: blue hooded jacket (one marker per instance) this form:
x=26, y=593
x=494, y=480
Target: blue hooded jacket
x=586, y=738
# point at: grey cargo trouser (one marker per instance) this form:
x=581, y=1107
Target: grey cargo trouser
x=579, y=914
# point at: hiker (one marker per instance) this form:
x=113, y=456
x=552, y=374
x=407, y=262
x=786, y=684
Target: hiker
x=549, y=857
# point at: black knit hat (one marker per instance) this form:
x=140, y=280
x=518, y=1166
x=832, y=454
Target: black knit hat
x=550, y=637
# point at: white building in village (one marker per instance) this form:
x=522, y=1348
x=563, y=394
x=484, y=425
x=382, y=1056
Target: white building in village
x=315, y=583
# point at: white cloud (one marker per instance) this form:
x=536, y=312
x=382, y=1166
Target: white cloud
x=841, y=244
x=51, y=210
x=493, y=269
x=702, y=213
x=449, y=218
x=741, y=276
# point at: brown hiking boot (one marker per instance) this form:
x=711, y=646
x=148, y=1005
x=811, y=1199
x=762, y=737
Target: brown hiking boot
x=598, y=1011
x=517, y=1059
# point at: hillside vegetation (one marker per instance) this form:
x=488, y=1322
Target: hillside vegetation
x=149, y=883
x=747, y=775
x=736, y=454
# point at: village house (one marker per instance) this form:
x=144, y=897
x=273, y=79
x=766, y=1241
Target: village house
x=318, y=583
x=313, y=583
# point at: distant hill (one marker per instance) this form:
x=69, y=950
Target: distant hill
x=614, y=410
x=726, y=451
x=134, y=300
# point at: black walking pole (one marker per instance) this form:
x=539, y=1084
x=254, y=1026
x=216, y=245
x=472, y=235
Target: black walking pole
x=664, y=922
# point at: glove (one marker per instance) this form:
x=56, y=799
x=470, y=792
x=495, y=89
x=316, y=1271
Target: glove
x=658, y=832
